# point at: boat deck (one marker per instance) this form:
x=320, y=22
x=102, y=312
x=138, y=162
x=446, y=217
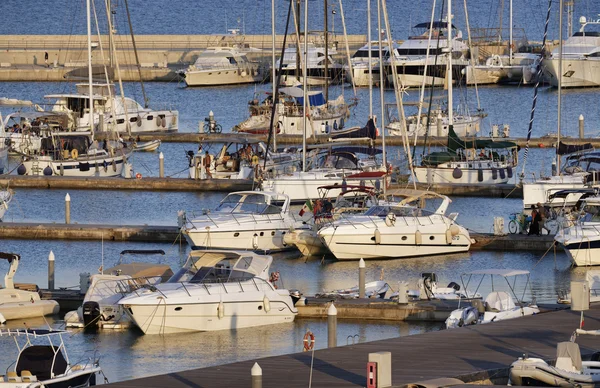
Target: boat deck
x=472, y=354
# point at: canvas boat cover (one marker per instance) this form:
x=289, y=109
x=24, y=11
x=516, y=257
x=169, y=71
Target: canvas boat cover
x=500, y=300
x=564, y=149
x=569, y=350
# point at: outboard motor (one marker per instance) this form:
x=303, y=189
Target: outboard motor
x=295, y=295
x=91, y=315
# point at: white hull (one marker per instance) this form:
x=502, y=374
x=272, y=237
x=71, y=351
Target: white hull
x=539, y=191
x=463, y=126
x=3, y=160
x=307, y=242
x=216, y=77
x=581, y=243
x=479, y=174
x=260, y=238
x=28, y=309
x=104, y=166
x=579, y=72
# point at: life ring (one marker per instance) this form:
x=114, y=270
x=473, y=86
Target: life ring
x=309, y=341
x=138, y=176
x=74, y=153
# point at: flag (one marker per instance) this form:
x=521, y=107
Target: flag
x=307, y=207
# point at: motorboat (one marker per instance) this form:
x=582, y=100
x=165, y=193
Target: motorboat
x=244, y=220
x=240, y=158
x=412, y=56
x=375, y=289
x=43, y=361
x=214, y=290
x=428, y=289
x=222, y=66
x=147, y=146
x=360, y=63
x=315, y=66
x=397, y=230
x=5, y=198
x=21, y=304
x=498, y=305
x=581, y=241
x=474, y=162
x=341, y=166
x=580, y=61
x=100, y=308
x=76, y=154
x=325, y=117
x=520, y=68
x=353, y=199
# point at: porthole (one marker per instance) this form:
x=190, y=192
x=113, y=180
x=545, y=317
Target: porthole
x=150, y=117
x=273, y=233
x=404, y=238
x=262, y=234
x=432, y=237
x=178, y=308
x=236, y=234
x=259, y=308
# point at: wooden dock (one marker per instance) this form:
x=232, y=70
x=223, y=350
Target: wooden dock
x=513, y=242
x=480, y=353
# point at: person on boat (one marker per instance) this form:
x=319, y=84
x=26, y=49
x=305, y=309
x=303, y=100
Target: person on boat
x=206, y=165
x=534, y=228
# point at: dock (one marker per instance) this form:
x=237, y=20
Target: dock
x=473, y=354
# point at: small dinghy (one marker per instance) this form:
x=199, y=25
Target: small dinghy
x=376, y=289
x=147, y=146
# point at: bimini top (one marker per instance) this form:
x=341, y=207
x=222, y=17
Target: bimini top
x=257, y=265
x=499, y=272
x=31, y=332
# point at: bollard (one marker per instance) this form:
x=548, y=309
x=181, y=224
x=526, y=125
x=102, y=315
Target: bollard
x=67, y=209
x=361, y=278
x=331, y=326
x=51, y=271
x=256, y=373
x=402, y=293
x=161, y=165
x=581, y=131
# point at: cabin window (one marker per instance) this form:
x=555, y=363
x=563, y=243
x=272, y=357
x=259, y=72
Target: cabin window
x=432, y=238
x=262, y=234
x=273, y=233
x=133, y=119
x=150, y=117
x=259, y=307
x=178, y=308
x=120, y=121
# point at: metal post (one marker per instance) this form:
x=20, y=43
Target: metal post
x=581, y=131
x=67, y=209
x=331, y=326
x=51, y=271
x=161, y=165
x=256, y=373
x=361, y=278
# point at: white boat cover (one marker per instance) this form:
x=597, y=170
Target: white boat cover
x=499, y=300
x=568, y=356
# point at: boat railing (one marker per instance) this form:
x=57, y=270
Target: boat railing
x=222, y=66
x=224, y=284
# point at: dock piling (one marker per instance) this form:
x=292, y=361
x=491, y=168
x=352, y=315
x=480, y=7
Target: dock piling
x=51, y=271
x=161, y=165
x=256, y=373
x=581, y=127
x=331, y=326
x=67, y=209
x=402, y=293
x=361, y=278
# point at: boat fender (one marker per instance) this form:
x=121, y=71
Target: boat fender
x=335, y=125
x=509, y=172
x=448, y=236
x=378, y=236
x=418, y=238
x=221, y=310
x=105, y=165
x=138, y=176
x=139, y=121
x=454, y=230
x=255, y=241
x=74, y=153
x=494, y=174
x=114, y=165
x=457, y=173
x=480, y=175
x=390, y=219
x=502, y=175
x=309, y=341
x=22, y=170
x=342, y=123
x=174, y=120
x=266, y=304
x=158, y=121
x=163, y=122
x=48, y=171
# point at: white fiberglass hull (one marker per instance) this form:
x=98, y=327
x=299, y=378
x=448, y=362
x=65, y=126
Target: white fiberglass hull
x=539, y=191
x=577, y=72
x=28, y=309
x=4, y=160
x=307, y=242
x=581, y=243
x=102, y=166
x=478, y=174
x=261, y=238
x=463, y=126
x=216, y=77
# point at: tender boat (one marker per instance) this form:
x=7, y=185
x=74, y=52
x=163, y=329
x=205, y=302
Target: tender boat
x=376, y=289
x=148, y=146
x=428, y=289
x=43, y=362
x=244, y=220
x=498, y=305
x=397, y=230
x=21, y=304
x=215, y=290
x=100, y=307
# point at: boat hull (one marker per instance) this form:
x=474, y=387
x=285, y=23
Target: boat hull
x=307, y=242
x=577, y=73
x=216, y=77
x=89, y=167
x=29, y=309
x=257, y=239
x=476, y=175
x=539, y=191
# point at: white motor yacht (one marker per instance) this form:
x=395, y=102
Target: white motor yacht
x=244, y=220
x=315, y=66
x=222, y=66
x=360, y=63
x=498, y=305
x=100, y=308
x=581, y=241
x=215, y=290
x=43, y=362
x=20, y=304
x=580, y=59
x=396, y=231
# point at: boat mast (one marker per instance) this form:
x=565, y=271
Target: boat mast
x=560, y=75
x=137, y=59
x=370, y=59
x=449, y=68
x=326, y=27
x=273, y=74
x=381, y=89
x=91, y=88
x=510, y=33
x=304, y=83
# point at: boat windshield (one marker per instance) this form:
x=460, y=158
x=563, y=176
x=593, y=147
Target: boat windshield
x=247, y=203
x=399, y=211
x=183, y=275
x=220, y=274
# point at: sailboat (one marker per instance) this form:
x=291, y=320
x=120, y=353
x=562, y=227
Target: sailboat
x=481, y=162
x=77, y=153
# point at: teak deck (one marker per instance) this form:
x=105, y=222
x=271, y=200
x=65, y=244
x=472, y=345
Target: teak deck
x=447, y=353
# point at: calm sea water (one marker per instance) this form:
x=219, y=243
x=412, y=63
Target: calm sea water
x=127, y=355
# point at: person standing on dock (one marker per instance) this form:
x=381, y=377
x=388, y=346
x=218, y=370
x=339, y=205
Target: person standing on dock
x=206, y=165
x=543, y=217
x=534, y=228
x=46, y=59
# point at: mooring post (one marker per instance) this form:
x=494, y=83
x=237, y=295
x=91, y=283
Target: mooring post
x=51, y=271
x=256, y=373
x=67, y=209
x=361, y=278
x=331, y=326
x=161, y=165
x=581, y=126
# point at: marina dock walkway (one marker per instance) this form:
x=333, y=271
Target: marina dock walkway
x=475, y=353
